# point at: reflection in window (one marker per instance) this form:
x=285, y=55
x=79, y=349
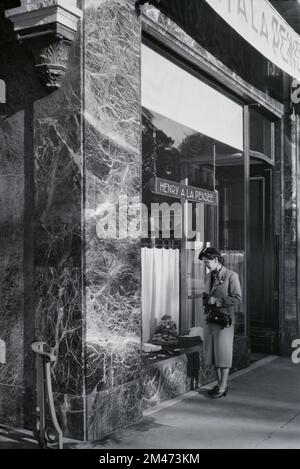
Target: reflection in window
x=261, y=131
x=172, y=275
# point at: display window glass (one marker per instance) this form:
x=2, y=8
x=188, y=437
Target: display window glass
x=188, y=151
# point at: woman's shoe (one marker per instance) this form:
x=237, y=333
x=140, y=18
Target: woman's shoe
x=212, y=391
x=220, y=393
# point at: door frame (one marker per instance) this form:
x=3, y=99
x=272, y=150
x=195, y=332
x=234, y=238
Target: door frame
x=269, y=164
x=246, y=214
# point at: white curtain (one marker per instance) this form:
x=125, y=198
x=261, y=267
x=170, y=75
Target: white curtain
x=160, y=287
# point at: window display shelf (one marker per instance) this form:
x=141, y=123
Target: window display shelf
x=168, y=352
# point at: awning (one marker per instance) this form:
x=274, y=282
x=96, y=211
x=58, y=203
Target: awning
x=263, y=27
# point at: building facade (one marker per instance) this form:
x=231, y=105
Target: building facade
x=98, y=100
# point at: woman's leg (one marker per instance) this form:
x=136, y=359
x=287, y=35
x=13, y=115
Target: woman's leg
x=218, y=373
x=224, y=372
x=223, y=353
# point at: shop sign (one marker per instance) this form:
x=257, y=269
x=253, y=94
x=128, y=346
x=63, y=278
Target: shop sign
x=185, y=192
x=263, y=27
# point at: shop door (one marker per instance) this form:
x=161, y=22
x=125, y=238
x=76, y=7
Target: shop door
x=261, y=264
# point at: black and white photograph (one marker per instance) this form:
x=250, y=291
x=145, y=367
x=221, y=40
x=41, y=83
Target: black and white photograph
x=149, y=227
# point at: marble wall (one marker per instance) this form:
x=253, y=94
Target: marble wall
x=112, y=149
x=11, y=267
x=169, y=378
x=290, y=323
x=15, y=131
x=40, y=268
x=63, y=155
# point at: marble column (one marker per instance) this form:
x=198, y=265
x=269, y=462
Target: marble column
x=41, y=219
x=112, y=150
x=63, y=154
x=58, y=239
x=87, y=289
x=16, y=144
x=11, y=268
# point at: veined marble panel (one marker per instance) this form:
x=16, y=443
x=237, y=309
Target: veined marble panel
x=70, y=413
x=58, y=322
x=113, y=313
x=290, y=226
x=12, y=144
x=113, y=409
x=58, y=176
x=289, y=331
x=58, y=171
x=112, y=149
x=165, y=380
x=58, y=163
x=113, y=158
x=58, y=246
x=15, y=136
x=111, y=169
x=11, y=205
x=58, y=253
x=11, y=278
x=11, y=405
x=112, y=71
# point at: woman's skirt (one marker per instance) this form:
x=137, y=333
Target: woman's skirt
x=218, y=345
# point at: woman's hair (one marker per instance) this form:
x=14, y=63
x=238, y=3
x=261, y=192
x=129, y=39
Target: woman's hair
x=211, y=253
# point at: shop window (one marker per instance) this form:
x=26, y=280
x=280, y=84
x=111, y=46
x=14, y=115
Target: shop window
x=192, y=135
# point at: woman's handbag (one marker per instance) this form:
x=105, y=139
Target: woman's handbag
x=215, y=316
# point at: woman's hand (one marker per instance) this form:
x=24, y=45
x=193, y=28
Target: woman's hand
x=215, y=301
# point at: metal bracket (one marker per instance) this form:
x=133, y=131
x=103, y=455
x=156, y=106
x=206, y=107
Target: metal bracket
x=47, y=435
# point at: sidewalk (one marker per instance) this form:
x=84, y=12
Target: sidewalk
x=261, y=411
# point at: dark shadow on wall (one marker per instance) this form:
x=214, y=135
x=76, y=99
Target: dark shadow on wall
x=22, y=90
x=11, y=4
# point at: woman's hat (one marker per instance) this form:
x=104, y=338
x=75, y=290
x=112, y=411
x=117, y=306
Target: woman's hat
x=209, y=253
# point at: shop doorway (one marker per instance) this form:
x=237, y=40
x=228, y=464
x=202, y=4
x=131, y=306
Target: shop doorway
x=261, y=263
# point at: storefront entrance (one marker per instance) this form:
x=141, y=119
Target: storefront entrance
x=197, y=136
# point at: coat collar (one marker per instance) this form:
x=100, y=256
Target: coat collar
x=219, y=279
